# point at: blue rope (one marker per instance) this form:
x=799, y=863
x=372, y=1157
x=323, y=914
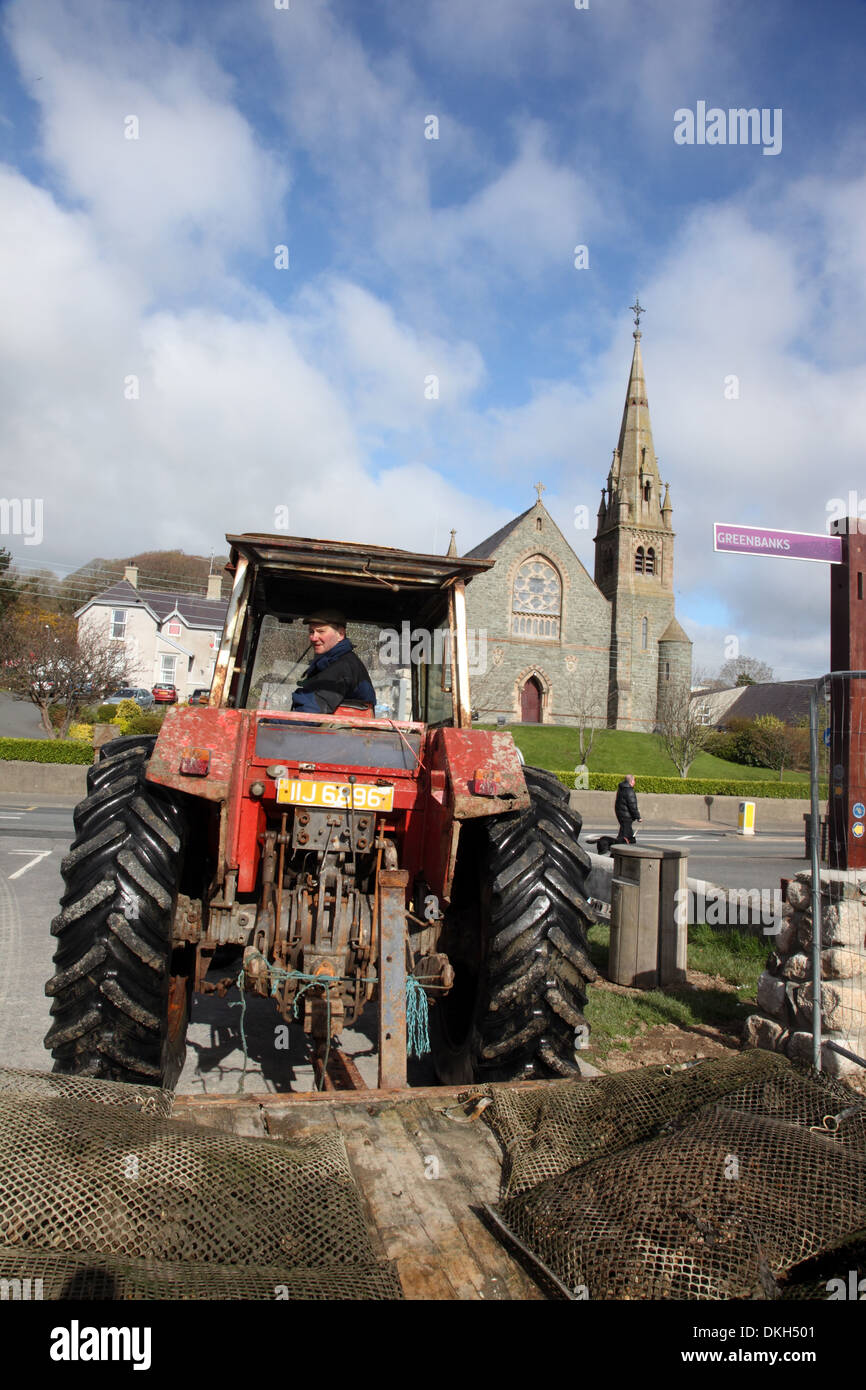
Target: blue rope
x=417, y=1019
x=417, y=1010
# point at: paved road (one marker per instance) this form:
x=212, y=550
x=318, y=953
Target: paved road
x=35, y=834
x=19, y=718
x=728, y=859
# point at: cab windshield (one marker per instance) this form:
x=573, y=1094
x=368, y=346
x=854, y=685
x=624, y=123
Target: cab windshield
x=409, y=668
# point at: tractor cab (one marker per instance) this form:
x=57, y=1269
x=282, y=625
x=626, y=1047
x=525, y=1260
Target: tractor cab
x=406, y=617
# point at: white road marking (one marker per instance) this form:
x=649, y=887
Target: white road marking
x=24, y=867
x=10, y=815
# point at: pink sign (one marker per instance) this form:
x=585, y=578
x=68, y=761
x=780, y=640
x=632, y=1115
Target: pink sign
x=790, y=545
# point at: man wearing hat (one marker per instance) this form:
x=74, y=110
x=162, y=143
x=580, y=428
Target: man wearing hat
x=335, y=674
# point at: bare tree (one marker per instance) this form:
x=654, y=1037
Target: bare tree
x=744, y=670
x=681, y=730
x=46, y=660
x=588, y=706
x=491, y=692
x=704, y=680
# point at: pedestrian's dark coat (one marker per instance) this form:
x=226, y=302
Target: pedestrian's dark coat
x=625, y=806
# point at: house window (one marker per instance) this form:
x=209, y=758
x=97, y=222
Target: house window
x=168, y=665
x=118, y=623
x=174, y=628
x=650, y=567
x=638, y=560
x=644, y=633
x=536, y=599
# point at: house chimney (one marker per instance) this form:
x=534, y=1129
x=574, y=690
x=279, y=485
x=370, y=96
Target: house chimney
x=130, y=574
x=214, y=586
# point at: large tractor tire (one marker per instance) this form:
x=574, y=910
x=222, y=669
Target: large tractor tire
x=517, y=941
x=120, y=995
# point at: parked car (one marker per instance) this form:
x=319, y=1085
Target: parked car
x=142, y=697
x=200, y=697
x=165, y=694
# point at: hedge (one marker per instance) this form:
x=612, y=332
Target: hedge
x=45, y=750
x=699, y=786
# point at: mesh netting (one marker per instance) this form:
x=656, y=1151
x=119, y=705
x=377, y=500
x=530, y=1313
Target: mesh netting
x=83, y=1177
x=66, y=1274
x=718, y=1208
x=834, y=1274
x=547, y=1131
x=149, y=1100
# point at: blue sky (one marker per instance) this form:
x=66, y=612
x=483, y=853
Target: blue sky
x=256, y=388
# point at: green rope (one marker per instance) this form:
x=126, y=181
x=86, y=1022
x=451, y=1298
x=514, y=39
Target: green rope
x=417, y=1019
x=417, y=1011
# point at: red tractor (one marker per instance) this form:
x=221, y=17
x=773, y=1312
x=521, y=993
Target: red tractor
x=338, y=854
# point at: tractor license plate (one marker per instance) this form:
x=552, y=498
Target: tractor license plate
x=304, y=792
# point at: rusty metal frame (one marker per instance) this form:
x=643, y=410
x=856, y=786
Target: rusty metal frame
x=460, y=660
x=225, y=662
x=392, y=978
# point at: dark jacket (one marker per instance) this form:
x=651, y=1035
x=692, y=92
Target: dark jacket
x=331, y=678
x=625, y=807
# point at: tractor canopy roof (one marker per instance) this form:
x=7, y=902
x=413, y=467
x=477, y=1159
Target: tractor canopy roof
x=294, y=575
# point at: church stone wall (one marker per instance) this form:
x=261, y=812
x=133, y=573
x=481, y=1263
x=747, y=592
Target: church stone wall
x=568, y=668
x=639, y=667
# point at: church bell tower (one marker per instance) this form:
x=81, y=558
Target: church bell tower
x=634, y=564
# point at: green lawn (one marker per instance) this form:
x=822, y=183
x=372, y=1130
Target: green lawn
x=620, y=751
x=736, y=957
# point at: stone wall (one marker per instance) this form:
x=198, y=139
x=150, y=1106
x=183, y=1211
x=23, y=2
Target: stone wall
x=568, y=667
x=786, y=997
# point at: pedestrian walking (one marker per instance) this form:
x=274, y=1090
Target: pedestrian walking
x=626, y=811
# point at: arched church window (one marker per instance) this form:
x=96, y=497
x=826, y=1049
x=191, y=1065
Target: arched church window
x=644, y=634
x=650, y=565
x=536, y=599
x=647, y=489
x=538, y=523
x=638, y=560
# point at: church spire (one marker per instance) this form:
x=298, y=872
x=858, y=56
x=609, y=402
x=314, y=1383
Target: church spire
x=637, y=487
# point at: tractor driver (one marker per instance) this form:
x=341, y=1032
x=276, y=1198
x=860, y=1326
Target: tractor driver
x=336, y=674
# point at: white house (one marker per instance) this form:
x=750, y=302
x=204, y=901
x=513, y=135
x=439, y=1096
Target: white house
x=172, y=637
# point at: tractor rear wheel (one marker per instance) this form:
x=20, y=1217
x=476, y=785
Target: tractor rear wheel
x=516, y=936
x=120, y=992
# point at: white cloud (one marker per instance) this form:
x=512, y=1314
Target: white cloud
x=193, y=188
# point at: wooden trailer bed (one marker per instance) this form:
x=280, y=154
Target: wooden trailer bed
x=422, y=1176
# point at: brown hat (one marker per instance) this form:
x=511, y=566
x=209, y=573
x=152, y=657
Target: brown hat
x=332, y=616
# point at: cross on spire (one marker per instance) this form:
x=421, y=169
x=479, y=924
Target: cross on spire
x=540, y=488
x=638, y=310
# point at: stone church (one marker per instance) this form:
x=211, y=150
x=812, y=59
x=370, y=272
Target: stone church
x=563, y=648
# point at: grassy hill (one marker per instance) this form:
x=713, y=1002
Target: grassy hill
x=620, y=751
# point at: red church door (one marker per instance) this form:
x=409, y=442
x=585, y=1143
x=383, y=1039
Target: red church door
x=530, y=702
